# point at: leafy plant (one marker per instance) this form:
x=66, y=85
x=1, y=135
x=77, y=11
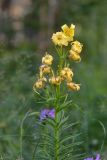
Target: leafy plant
x=57, y=139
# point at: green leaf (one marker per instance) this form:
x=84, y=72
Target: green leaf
x=63, y=121
x=69, y=138
x=64, y=105
x=69, y=126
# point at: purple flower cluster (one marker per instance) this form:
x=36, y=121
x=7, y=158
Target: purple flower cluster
x=45, y=113
x=97, y=158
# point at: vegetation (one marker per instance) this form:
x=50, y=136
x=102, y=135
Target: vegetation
x=20, y=62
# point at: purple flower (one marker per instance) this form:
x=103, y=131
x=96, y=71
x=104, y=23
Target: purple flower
x=51, y=113
x=45, y=113
x=97, y=158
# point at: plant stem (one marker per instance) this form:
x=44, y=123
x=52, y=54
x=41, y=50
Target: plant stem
x=60, y=59
x=56, y=137
x=57, y=145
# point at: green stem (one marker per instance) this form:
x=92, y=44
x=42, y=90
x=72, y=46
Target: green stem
x=33, y=157
x=57, y=145
x=21, y=135
x=56, y=137
x=61, y=59
x=28, y=114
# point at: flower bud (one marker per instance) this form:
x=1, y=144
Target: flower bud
x=77, y=47
x=66, y=73
x=44, y=69
x=73, y=86
x=55, y=80
x=40, y=83
x=74, y=56
x=47, y=59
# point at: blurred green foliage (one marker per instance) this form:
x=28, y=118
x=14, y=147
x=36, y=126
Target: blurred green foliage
x=19, y=66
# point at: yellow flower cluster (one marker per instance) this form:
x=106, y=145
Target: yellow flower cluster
x=40, y=83
x=45, y=68
x=65, y=73
x=60, y=39
x=63, y=37
x=73, y=86
x=47, y=60
x=68, y=31
x=55, y=80
x=75, y=51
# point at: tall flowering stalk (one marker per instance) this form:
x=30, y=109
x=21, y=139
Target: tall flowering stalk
x=53, y=87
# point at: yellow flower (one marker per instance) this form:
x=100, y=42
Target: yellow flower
x=69, y=31
x=47, y=59
x=66, y=73
x=40, y=83
x=60, y=39
x=73, y=86
x=74, y=56
x=55, y=80
x=77, y=47
x=75, y=51
x=44, y=69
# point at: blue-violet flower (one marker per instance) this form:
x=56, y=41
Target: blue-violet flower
x=97, y=158
x=45, y=113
